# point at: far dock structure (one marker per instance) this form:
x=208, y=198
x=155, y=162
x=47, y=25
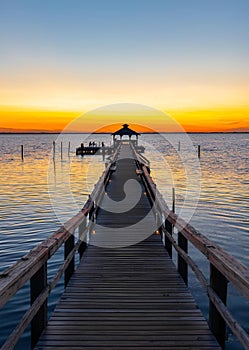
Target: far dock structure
x=126, y=292
x=92, y=148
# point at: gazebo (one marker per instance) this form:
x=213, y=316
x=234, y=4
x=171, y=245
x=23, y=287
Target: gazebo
x=125, y=131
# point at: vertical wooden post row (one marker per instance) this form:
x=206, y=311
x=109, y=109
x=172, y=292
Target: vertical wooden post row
x=37, y=283
x=218, y=283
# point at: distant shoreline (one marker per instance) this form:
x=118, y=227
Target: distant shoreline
x=109, y=133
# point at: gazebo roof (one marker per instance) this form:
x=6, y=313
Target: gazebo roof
x=125, y=130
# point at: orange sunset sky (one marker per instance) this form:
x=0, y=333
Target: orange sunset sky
x=62, y=59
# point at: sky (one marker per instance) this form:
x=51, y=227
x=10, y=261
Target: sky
x=62, y=58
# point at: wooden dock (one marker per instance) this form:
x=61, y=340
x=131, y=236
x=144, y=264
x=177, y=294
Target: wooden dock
x=129, y=298
x=126, y=292
x=126, y=298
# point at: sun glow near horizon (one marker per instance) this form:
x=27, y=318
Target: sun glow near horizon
x=14, y=119
x=182, y=58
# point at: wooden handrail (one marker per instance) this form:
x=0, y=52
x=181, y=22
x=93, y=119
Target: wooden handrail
x=230, y=267
x=223, y=267
x=15, y=277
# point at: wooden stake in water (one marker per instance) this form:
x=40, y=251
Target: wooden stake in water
x=22, y=152
x=61, y=150
x=69, y=145
x=179, y=146
x=173, y=199
x=199, y=151
x=53, y=149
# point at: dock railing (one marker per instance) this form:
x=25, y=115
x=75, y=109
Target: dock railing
x=33, y=266
x=223, y=267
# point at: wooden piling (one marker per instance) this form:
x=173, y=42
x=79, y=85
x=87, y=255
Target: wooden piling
x=22, y=152
x=179, y=146
x=199, y=151
x=68, y=247
x=181, y=263
x=37, y=284
x=69, y=146
x=61, y=149
x=218, y=283
x=82, y=238
x=173, y=199
x=168, y=244
x=53, y=149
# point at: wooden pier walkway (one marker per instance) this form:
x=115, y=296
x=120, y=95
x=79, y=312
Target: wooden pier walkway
x=130, y=297
x=126, y=292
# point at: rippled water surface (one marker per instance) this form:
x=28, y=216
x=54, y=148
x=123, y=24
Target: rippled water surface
x=212, y=193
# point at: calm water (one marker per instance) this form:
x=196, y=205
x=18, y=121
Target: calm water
x=37, y=198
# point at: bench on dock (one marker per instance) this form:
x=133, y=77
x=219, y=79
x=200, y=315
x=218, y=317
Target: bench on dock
x=128, y=297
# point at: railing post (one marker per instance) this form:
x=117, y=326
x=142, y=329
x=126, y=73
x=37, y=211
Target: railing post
x=37, y=284
x=181, y=263
x=91, y=212
x=68, y=247
x=168, y=244
x=218, y=283
x=82, y=237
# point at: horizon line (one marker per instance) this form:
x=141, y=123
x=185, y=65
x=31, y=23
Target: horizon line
x=110, y=133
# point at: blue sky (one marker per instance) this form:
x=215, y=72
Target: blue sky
x=120, y=45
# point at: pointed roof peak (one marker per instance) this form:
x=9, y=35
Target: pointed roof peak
x=125, y=130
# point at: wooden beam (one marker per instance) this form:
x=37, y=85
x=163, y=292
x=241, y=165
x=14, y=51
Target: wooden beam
x=38, y=283
x=69, y=246
x=182, y=265
x=218, y=283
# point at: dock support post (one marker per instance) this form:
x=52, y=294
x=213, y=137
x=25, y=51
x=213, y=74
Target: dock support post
x=181, y=263
x=91, y=212
x=199, y=151
x=22, y=152
x=69, y=146
x=168, y=244
x=37, y=284
x=173, y=200
x=82, y=237
x=61, y=149
x=179, y=146
x=53, y=149
x=68, y=247
x=218, y=283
